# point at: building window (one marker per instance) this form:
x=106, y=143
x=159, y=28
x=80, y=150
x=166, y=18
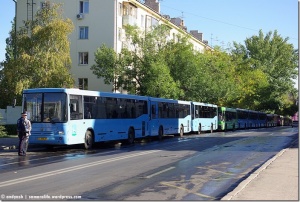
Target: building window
x=84, y=6
x=142, y=21
x=83, y=83
x=83, y=58
x=83, y=32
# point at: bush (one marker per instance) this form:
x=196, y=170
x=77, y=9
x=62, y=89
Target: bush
x=2, y=131
x=11, y=129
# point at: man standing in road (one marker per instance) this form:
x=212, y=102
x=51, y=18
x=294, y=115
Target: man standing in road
x=24, y=128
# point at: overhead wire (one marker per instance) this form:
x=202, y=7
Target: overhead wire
x=219, y=21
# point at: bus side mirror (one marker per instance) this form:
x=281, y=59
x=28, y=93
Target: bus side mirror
x=14, y=102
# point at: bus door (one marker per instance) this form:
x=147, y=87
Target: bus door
x=77, y=123
x=153, y=119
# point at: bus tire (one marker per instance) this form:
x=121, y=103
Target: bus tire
x=160, y=133
x=88, y=140
x=181, y=131
x=199, y=129
x=131, y=136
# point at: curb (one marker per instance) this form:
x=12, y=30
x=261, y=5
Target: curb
x=252, y=176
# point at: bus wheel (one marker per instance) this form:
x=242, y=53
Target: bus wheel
x=199, y=129
x=131, y=136
x=88, y=140
x=160, y=133
x=181, y=131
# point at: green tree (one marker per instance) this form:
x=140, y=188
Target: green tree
x=276, y=60
x=249, y=81
x=42, y=55
x=139, y=68
x=5, y=92
x=183, y=67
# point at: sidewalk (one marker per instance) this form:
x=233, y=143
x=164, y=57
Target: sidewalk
x=277, y=179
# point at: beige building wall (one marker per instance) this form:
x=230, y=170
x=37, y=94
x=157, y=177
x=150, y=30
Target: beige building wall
x=105, y=20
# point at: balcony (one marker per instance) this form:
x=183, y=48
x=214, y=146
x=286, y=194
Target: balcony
x=129, y=20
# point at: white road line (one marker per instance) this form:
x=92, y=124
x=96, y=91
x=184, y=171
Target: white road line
x=162, y=171
x=73, y=168
x=49, y=157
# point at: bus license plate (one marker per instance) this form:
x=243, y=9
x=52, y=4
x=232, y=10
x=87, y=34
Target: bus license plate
x=42, y=138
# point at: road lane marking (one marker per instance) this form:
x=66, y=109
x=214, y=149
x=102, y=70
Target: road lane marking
x=49, y=157
x=157, y=173
x=216, y=170
x=73, y=168
x=184, y=189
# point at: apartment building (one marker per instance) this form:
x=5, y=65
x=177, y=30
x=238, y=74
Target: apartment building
x=100, y=22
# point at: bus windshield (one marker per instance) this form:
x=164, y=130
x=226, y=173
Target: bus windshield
x=46, y=107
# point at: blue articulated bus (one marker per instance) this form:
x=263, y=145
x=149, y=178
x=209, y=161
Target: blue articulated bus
x=243, y=118
x=262, y=119
x=72, y=116
x=169, y=117
x=62, y=116
x=253, y=119
x=204, y=117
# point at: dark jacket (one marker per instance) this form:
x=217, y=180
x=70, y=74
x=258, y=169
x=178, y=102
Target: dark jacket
x=21, y=126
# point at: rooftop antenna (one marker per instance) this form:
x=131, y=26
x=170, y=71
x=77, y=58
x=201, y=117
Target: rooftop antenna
x=211, y=39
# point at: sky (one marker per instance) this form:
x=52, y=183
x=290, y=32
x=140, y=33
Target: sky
x=225, y=21
x=220, y=21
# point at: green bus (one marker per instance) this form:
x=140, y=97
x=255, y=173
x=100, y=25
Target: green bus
x=227, y=118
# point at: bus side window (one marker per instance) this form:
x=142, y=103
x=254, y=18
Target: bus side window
x=76, y=107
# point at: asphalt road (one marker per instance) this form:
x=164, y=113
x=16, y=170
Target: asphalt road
x=196, y=167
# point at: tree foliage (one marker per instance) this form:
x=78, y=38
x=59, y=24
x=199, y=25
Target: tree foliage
x=254, y=76
x=139, y=68
x=277, y=61
x=42, y=54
